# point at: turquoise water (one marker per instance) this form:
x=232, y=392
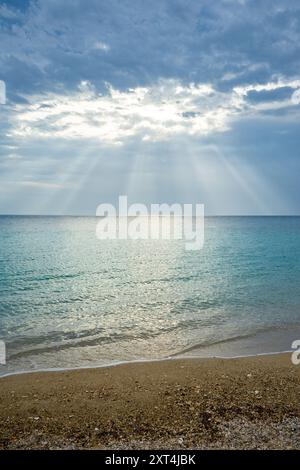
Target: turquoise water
x=68, y=299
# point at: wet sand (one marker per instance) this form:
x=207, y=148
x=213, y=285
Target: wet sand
x=185, y=403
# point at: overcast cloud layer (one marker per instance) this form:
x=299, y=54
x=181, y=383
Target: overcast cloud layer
x=166, y=101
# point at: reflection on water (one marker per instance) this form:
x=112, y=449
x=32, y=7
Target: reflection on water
x=69, y=299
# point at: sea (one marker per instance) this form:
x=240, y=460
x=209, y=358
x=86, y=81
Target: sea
x=69, y=300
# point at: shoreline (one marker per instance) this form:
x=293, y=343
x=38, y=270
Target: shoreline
x=249, y=402
x=175, y=357
x=264, y=341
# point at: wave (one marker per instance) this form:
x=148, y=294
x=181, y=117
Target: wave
x=79, y=340
x=241, y=336
x=95, y=337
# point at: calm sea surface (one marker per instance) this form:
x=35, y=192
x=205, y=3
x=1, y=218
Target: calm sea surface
x=68, y=299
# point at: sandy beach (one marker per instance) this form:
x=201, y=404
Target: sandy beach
x=191, y=403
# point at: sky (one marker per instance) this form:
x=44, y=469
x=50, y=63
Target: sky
x=168, y=101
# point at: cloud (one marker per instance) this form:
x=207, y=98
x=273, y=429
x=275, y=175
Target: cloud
x=160, y=112
x=104, y=94
x=269, y=86
x=7, y=13
x=52, y=45
x=156, y=112
x=296, y=97
x=270, y=96
x=40, y=185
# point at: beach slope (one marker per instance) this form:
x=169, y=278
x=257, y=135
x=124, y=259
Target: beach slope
x=184, y=403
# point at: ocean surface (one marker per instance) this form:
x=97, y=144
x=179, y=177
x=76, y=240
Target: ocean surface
x=70, y=300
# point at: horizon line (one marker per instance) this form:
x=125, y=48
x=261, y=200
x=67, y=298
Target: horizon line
x=90, y=215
